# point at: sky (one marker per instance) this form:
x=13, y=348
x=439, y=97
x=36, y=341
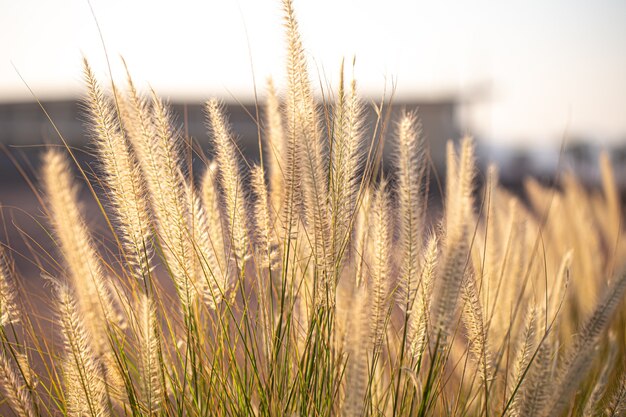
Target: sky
x=529, y=71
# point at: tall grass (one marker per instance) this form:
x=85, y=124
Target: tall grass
x=314, y=283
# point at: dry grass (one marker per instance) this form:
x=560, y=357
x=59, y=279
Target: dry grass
x=311, y=285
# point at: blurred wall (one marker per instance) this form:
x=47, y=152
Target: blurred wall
x=26, y=124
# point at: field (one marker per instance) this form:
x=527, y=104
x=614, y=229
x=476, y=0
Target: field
x=317, y=282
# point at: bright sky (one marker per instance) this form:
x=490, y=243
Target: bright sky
x=542, y=66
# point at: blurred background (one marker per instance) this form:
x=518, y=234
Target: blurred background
x=541, y=85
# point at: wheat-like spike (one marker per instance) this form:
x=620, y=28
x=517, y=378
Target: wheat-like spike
x=578, y=361
x=461, y=203
x=126, y=119
x=16, y=390
x=338, y=142
x=476, y=332
x=9, y=313
x=264, y=236
x=85, y=387
x=599, y=388
x=419, y=313
x=362, y=231
x=122, y=176
x=173, y=212
x=211, y=279
x=230, y=180
x=78, y=250
x=83, y=262
x=213, y=209
x=92, y=288
x=315, y=198
x=157, y=150
x=535, y=387
x=345, y=157
x=300, y=272
x=303, y=133
x=275, y=148
x=266, y=249
x=411, y=169
x=121, y=301
x=448, y=286
x=292, y=179
x=134, y=109
x=354, y=127
x=139, y=125
x=617, y=402
x=26, y=371
x=381, y=262
x=525, y=347
x=494, y=251
x=357, y=348
x=456, y=245
x=293, y=117
x=523, y=354
x=151, y=388
x=291, y=209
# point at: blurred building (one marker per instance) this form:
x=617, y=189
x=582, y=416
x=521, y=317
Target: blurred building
x=24, y=128
x=25, y=124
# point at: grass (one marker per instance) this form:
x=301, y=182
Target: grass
x=311, y=284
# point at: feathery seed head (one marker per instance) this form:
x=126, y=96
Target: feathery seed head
x=9, y=313
x=230, y=180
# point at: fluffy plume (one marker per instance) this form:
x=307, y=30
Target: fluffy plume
x=601, y=383
x=362, y=234
x=411, y=172
x=420, y=309
x=458, y=212
x=159, y=158
x=381, y=266
x=85, y=388
x=357, y=350
x=275, y=148
x=344, y=178
x=9, y=313
x=264, y=236
x=231, y=183
x=214, y=214
x=79, y=252
x=535, y=388
x=122, y=176
x=524, y=352
x=476, y=331
x=617, y=403
x=16, y=391
x=305, y=149
x=211, y=278
x=150, y=366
